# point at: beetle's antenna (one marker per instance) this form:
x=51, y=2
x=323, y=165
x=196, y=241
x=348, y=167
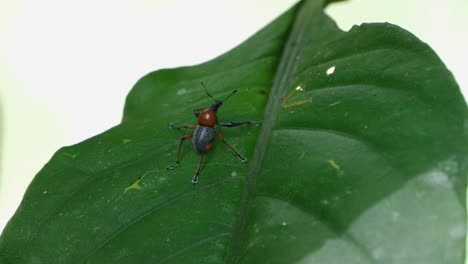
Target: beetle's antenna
x=206, y=90
x=233, y=92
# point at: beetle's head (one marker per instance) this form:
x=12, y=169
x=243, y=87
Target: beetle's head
x=217, y=103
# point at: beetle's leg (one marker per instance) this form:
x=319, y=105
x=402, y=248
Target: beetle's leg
x=179, y=127
x=200, y=164
x=233, y=124
x=172, y=166
x=221, y=137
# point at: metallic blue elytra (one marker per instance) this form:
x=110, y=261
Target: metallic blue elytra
x=202, y=136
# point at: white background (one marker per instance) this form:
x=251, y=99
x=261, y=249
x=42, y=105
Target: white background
x=66, y=66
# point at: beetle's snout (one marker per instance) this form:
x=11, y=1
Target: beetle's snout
x=216, y=105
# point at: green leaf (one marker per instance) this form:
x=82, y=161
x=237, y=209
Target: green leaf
x=361, y=159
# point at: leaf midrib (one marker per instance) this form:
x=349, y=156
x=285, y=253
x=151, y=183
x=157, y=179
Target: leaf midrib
x=281, y=82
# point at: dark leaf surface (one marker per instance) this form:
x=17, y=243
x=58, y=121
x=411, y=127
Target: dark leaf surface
x=361, y=158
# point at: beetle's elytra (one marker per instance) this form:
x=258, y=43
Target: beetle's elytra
x=204, y=135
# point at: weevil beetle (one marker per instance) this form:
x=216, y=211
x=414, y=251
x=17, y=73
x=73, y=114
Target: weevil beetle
x=204, y=135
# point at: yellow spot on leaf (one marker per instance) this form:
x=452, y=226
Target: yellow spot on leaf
x=126, y=140
x=136, y=185
x=302, y=155
x=335, y=103
x=71, y=155
x=335, y=166
x=287, y=104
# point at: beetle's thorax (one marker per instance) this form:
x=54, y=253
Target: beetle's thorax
x=207, y=118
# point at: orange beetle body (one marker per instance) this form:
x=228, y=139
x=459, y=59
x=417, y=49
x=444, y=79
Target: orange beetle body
x=207, y=118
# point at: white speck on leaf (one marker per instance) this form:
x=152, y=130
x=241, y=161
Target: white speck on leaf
x=331, y=70
x=181, y=91
x=457, y=231
x=377, y=253
x=449, y=166
x=161, y=179
x=437, y=178
x=395, y=216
